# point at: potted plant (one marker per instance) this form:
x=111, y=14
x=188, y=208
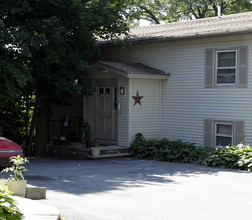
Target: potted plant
x=86, y=134
x=16, y=182
x=95, y=150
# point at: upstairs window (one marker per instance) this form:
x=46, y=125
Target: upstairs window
x=226, y=67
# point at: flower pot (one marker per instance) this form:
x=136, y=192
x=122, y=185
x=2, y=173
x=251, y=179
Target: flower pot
x=18, y=187
x=95, y=151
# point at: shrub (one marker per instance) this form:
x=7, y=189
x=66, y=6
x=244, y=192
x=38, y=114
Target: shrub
x=165, y=150
x=203, y=153
x=8, y=207
x=235, y=157
x=17, y=169
x=138, y=141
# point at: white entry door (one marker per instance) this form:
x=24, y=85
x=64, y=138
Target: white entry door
x=106, y=115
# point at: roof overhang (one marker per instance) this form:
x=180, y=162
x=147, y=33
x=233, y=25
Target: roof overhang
x=234, y=24
x=131, y=71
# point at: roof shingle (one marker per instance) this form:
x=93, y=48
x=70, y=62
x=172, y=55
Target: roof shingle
x=214, y=26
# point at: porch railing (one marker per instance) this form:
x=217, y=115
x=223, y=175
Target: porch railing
x=66, y=130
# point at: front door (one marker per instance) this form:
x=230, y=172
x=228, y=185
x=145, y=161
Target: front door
x=106, y=115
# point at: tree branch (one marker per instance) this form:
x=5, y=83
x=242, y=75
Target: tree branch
x=149, y=12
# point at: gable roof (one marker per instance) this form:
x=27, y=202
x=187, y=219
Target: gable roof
x=206, y=27
x=136, y=70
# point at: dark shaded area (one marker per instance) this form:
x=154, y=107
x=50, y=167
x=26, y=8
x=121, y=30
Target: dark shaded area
x=84, y=177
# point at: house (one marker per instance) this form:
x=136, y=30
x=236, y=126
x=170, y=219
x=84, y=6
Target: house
x=189, y=80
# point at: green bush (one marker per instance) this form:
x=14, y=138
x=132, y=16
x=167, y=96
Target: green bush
x=165, y=150
x=8, y=207
x=204, y=153
x=235, y=157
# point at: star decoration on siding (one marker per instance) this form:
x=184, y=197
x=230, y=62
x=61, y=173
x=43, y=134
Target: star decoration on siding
x=137, y=99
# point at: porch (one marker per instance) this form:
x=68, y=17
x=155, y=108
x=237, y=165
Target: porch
x=80, y=152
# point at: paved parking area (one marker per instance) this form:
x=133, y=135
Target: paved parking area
x=130, y=189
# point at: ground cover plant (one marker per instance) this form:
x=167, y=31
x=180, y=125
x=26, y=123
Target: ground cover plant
x=231, y=157
x=165, y=150
x=8, y=207
x=234, y=157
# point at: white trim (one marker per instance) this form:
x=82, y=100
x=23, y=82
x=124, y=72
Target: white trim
x=160, y=109
x=147, y=76
x=129, y=112
x=223, y=135
x=216, y=67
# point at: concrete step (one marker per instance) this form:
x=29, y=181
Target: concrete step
x=112, y=151
x=35, y=192
x=111, y=155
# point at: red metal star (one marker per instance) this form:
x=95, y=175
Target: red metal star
x=137, y=99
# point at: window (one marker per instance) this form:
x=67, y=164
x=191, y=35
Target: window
x=226, y=67
x=100, y=91
x=223, y=134
x=107, y=91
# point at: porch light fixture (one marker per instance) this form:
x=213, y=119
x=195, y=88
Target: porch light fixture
x=122, y=90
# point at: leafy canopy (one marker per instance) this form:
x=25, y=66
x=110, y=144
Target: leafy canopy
x=157, y=11
x=47, y=45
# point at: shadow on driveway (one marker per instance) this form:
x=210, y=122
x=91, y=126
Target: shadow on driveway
x=85, y=177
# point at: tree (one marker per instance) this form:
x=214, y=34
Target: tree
x=47, y=47
x=157, y=11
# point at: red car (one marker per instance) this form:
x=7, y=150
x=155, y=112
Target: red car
x=8, y=149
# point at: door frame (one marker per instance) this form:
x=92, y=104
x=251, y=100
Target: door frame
x=103, y=82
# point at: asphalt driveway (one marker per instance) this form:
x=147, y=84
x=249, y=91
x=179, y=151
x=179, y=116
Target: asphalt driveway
x=130, y=189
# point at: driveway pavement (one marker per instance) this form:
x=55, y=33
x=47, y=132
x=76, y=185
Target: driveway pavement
x=130, y=189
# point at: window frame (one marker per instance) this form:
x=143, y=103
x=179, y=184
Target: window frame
x=217, y=68
x=223, y=135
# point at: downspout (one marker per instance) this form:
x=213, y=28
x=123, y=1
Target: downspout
x=160, y=109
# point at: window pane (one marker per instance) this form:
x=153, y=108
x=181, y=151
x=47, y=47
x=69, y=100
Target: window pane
x=100, y=90
x=227, y=59
x=223, y=141
x=108, y=91
x=224, y=129
x=226, y=76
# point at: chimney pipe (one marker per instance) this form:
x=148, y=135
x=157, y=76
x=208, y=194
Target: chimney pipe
x=219, y=11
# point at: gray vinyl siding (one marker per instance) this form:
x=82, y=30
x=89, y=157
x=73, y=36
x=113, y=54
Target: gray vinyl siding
x=90, y=111
x=122, y=117
x=145, y=118
x=186, y=103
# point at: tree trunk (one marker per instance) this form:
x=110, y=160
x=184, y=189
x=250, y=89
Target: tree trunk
x=33, y=123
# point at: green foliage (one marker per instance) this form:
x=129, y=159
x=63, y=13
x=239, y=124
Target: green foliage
x=234, y=157
x=138, y=141
x=86, y=131
x=8, y=207
x=47, y=48
x=203, y=153
x=15, y=119
x=165, y=150
x=157, y=11
x=17, y=168
x=48, y=45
